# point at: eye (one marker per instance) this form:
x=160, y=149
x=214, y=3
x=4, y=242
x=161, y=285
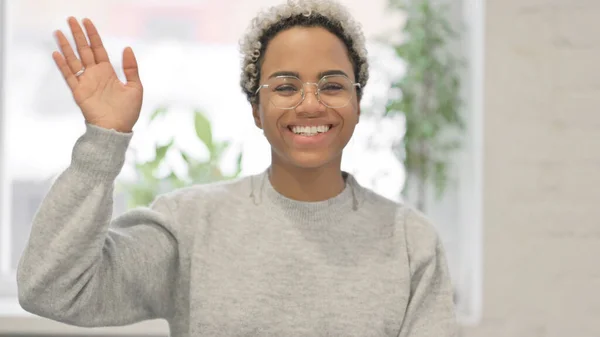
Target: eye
x=285, y=89
x=332, y=87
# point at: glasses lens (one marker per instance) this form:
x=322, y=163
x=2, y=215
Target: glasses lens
x=285, y=92
x=335, y=91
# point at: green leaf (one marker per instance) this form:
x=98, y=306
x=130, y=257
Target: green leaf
x=158, y=112
x=238, y=166
x=200, y=173
x=149, y=184
x=203, y=129
x=146, y=170
x=218, y=149
x=440, y=178
x=427, y=129
x=186, y=157
x=140, y=195
x=402, y=51
x=161, y=151
x=175, y=181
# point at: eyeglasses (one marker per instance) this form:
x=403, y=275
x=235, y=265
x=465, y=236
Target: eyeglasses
x=287, y=92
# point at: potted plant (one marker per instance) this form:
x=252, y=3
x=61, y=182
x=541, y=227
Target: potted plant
x=428, y=98
x=150, y=183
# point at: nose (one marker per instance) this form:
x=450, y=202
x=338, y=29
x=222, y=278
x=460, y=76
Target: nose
x=310, y=104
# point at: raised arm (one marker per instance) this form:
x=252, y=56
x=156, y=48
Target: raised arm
x=80, y=266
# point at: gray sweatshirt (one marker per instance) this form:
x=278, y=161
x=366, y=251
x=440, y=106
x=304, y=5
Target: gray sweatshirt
x=231, y=259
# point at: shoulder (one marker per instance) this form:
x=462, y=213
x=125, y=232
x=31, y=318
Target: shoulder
x=209, y=194
x=422, y=243
x=415, y=229
x=371, y=201
x=420, y=232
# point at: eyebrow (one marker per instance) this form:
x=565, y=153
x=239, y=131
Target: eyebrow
x=319, y=75
x=285, y=73
x=331, y=72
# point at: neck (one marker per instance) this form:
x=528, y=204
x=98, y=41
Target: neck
x=303, y=184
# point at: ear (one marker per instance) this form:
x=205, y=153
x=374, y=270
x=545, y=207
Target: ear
x=256, y=116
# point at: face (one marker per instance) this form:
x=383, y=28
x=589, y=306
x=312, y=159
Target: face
x=307, y=52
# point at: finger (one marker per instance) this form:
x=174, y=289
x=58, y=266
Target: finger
x=83, y=48
x=65, y=47
x=100, y=54
x=130, y=67
x=65, y=70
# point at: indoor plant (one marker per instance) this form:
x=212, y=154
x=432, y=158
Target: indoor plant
x=150, y=182
x=428, y=97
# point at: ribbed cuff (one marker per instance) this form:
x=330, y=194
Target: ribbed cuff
x=100, y=152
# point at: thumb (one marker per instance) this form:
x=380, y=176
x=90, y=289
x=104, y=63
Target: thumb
x=130, y=67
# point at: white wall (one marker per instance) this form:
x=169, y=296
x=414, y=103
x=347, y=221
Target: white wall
x=541, y=169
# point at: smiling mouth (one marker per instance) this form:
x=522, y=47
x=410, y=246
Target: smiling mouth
x=309, y=131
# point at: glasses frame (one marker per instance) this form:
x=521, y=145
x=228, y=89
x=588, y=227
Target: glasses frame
x=317, y=92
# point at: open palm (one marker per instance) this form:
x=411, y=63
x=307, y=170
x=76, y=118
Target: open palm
x=103, y=98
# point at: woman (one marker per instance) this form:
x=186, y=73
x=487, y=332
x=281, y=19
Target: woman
x=299, y=250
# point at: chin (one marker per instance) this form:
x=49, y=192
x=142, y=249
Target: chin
x=310, y=160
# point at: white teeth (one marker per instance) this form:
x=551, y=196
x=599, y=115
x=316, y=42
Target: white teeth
x=310, y=130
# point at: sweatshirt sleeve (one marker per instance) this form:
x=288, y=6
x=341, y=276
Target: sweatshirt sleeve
x=430, y=311
x=80, y=267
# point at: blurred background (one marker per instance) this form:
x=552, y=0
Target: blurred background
x=510, y=177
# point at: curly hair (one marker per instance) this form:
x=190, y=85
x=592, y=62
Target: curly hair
x=327, y=14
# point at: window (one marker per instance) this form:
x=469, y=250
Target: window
x=183, y=66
